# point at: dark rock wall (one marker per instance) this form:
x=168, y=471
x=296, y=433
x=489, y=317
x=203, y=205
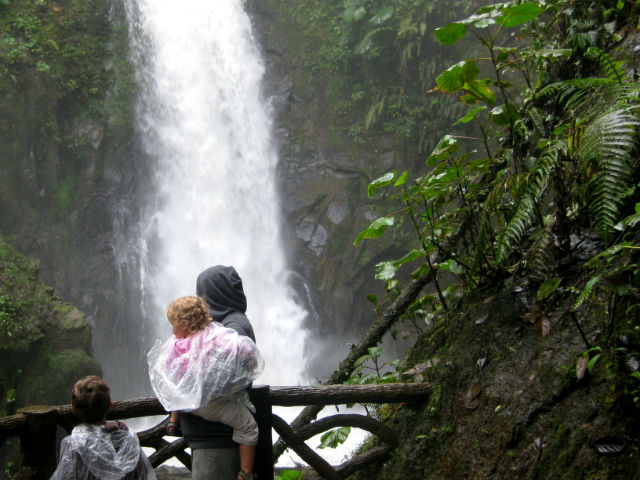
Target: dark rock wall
x=69, y=164
x=323, y=184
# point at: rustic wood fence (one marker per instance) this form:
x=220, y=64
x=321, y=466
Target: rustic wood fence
x=36, y=426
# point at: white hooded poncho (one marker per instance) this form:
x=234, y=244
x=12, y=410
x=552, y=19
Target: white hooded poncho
x=96, y=452
x=215, y=362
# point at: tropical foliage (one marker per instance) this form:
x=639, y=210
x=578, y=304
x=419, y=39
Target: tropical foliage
x=543, y=158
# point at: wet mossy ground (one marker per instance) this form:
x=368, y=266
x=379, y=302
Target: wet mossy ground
x=506, y=400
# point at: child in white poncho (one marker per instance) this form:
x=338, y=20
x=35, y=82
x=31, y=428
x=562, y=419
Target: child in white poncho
x=97, y=449
x=205, y=368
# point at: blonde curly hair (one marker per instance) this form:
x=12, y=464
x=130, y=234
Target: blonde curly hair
x=189, y=313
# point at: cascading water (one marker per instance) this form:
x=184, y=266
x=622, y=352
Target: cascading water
x=212, y=197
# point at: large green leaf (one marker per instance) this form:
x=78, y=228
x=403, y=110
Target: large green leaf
x=450, y=34
x=518, y=14
x=375, y=230
x=454, y=77
x=382, y=181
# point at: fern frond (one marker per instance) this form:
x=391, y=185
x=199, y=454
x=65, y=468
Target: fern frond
x=541, y=258
x=374, y=113
x=535, y=186
x=607, y=142
x=564, y=88
x=613, y=69
x=488, y=214
x=536, y=120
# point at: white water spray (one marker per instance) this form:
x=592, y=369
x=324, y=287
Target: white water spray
x=213, y=201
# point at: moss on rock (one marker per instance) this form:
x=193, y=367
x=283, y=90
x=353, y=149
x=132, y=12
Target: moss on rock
x=45, y=343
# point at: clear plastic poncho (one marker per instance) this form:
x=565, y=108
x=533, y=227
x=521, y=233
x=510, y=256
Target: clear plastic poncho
x=104, y=452
x=187, y=373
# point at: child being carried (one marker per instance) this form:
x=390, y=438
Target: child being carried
x=205, y=368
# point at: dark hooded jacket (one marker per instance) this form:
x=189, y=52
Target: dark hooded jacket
x=221, y=288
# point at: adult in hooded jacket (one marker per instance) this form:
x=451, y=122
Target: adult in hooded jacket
x=214, y=454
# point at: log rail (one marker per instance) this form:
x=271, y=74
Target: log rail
x=36, y=426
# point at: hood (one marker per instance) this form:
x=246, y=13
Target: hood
x=221, y=288
x=108, y=455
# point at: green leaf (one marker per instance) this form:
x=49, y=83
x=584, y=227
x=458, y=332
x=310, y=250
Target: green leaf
x=503, y=114
x=455, y=77
x=382, y=181
x=586, y=292
x=375, y=352
x=372, y=298
x=333, y=438
x=450, y=34
x=375, y=230
x=289, y=475
x=629, y=221
x=519, y=14
x=480, y=88
x=548, y=287
x=471, y=115
x=451, y=266
x=402, y=179
x=504, y=52
x=552, y=53
x=386, y=270
x=593, y=361
x=445, y=148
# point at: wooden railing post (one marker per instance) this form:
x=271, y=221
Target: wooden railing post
x=264, y=460
x=37, y=441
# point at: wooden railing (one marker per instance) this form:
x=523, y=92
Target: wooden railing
x=36, y=426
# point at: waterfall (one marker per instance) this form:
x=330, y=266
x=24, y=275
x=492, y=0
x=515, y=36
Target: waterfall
x=211, y=192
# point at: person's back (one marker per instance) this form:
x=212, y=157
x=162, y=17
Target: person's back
x=214, y=453
x=102, y=452
x=97, y=449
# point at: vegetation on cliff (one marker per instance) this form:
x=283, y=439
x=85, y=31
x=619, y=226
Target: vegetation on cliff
x=539, y=206
x=45, y=343
x=64, y=90
x=524, y=216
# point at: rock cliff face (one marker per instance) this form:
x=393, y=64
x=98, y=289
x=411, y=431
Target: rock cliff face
x=323, y=185
x=45, y=343
x=68, y=165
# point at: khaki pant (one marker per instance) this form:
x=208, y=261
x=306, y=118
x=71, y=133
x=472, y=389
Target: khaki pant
x=235, y=414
